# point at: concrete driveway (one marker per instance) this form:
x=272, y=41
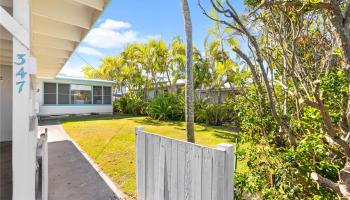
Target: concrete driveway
x=72, y=174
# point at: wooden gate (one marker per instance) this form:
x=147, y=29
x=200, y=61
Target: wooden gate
x=176, y=170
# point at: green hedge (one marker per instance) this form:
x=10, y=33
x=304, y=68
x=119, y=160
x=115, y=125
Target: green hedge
x=169, y=106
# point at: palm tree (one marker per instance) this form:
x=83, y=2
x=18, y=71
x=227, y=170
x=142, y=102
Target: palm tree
x=175, y=62
x=189, y=95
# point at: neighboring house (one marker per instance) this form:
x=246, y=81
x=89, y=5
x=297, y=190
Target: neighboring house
x=212, y=95
x=37, y=37
x=165, y=87
x=67, y=95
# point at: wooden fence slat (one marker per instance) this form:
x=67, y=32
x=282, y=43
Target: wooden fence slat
x=218, y=175
x=174, y=176
x=228, y=171
x=141, y=166
x=161, y=177
x=181, y=170
x=207, y=173
x=197, y=173
x=150, y=187
x=156, y=163
x=167, y=168
x=188, y=171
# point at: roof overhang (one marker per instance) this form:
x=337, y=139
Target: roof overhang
x=57, y=28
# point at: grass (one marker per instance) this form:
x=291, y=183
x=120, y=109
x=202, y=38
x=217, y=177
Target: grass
x=110, y=141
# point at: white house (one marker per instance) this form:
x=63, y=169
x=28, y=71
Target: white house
x=37, y=37
x=67, y=95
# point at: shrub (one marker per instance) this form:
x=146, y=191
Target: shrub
x=166, y=106
x=214, y=114
x=129, y=104
x=199, y=106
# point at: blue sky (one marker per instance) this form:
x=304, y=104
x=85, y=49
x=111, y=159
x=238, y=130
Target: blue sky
x=127, y=21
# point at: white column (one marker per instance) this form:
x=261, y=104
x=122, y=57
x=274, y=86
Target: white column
x=24, y=135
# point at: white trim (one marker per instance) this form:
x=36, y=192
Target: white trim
x=12, y=26
x=23, y=107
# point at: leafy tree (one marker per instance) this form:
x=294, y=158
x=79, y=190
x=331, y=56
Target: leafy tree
x=299, y=51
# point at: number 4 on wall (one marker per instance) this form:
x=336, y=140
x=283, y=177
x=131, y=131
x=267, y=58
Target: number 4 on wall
x=21, y=73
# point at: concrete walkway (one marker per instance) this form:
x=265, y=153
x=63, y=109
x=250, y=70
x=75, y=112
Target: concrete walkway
x=72, y=174
x=56, y=133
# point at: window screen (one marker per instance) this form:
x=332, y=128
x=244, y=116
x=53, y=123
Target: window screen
x=63, y=93
x=80, y=94
x=107, y=95
x=50, y=93
x=97, y=94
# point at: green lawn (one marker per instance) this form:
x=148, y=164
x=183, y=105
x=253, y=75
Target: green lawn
x=110, y=141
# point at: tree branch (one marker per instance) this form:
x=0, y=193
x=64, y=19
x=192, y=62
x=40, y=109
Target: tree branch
x=325, y=182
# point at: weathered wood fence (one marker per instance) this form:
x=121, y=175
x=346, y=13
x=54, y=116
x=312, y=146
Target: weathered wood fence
x=169, y=169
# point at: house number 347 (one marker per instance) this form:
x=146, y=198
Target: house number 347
x=21, y=73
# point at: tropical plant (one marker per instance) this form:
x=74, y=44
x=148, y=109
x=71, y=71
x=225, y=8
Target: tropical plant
x=129, y=104
x=166, y=106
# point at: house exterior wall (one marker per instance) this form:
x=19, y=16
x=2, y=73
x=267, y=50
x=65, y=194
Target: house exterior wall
x=213, y=96
x=46, y=110
x=65, y=109
x=6, y=104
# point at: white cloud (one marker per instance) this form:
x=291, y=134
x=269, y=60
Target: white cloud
x=111, y=24
x=89, y=51
x=103, y=38
x=108, y=35
x=72, y=72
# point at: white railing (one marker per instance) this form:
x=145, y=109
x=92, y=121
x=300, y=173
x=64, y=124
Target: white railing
x=177, y=170
x=42, y=168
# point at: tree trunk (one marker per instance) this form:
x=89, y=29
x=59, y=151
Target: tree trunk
x=219, y=96
x=189, y=74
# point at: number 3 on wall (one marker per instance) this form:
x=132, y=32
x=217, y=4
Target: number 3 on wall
x=21, y=72
x=21, y=59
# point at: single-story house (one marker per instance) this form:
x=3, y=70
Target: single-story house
x=69, y=95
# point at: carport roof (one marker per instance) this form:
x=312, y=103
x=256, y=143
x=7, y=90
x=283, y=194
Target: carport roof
x=57, y=28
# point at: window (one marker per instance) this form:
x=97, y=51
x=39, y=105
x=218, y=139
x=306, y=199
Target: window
x=63, y=93
x=50, y=93
x=107, y=95
x=80, y=94
x=97, y=94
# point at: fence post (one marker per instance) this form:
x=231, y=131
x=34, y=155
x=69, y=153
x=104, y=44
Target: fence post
x=140, y=163
x=45, y=177
x=228, y=170
x=42, y=168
